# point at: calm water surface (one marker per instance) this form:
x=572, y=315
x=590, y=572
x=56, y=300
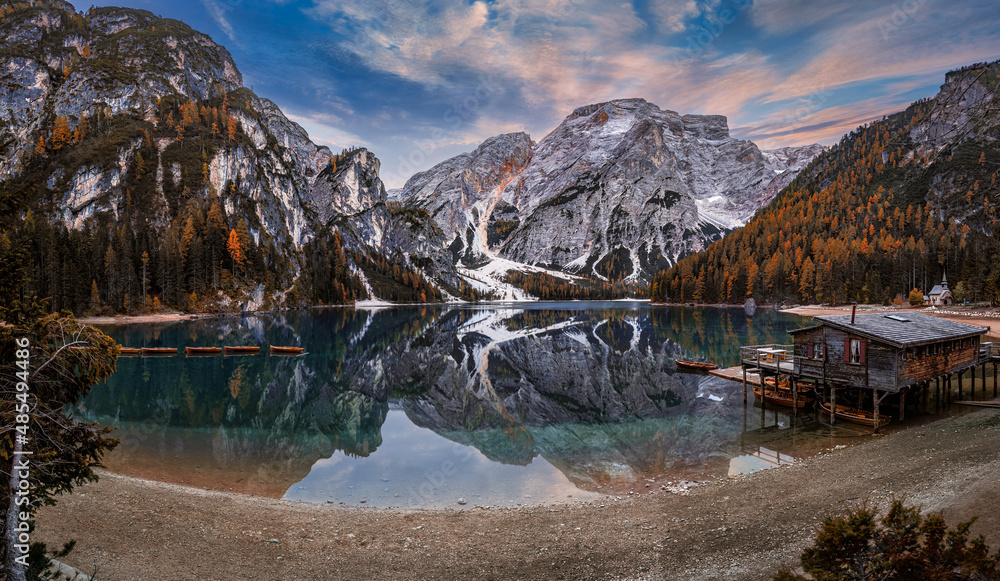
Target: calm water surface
x=430, y=406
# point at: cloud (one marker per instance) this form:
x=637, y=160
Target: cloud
x=323, y=129
x=857, y=50
x=824, y=126
x=401, y=72
x=674, y=16
x=219, y=15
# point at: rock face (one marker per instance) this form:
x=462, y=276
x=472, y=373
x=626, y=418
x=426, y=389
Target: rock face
x=954, y=142
x=112, y=59
x=460, y=191
x=618, y=190
x=965, y=109
x=114, y=67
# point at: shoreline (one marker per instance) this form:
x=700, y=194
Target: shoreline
x=984, y=319
x=366, y=305
x=738, y=528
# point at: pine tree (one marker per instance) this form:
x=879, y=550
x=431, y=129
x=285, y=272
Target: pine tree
x=235, y=249
x=80, y=133
x=95, y=298
x=61, y=134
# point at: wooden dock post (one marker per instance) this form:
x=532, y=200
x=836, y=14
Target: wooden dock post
x=795, y=397
x=994, y=380
x=744, y=386
x=833, y=404
x=876, y=399
x=902, y=408
x=763, y=404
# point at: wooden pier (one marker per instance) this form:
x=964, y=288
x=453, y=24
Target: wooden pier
x=736, y=374
x=881, y=354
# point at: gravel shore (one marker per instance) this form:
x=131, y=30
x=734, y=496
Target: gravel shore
x=739, y=528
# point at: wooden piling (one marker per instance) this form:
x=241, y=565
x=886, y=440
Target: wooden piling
x=795, y=397
x=833, y=404
x=763, y=404
x=875, y=401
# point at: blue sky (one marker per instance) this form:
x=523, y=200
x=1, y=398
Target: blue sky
x=418, y=81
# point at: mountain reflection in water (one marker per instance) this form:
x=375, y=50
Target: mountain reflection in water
x=419, y=406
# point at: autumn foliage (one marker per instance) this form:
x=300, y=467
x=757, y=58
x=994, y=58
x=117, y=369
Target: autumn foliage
x=901, y=544
x=872, y=218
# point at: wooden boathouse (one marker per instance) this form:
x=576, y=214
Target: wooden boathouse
x=884, y=353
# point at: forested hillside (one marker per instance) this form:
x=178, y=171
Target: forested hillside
x=137, y=172
x=893, y=206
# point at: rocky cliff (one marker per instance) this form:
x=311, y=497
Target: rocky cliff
x=114, y=64
x=618, y=190
x=119, y=116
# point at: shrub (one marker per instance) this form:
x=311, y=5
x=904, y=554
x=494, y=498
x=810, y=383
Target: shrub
x=901, y=545
x=916, y=298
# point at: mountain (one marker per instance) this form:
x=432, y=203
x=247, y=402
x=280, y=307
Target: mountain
x=618, y=190
x=896, y=205
x=133, y=136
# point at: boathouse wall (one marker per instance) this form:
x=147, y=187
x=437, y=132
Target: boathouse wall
x=877, y=369
x=925, y=362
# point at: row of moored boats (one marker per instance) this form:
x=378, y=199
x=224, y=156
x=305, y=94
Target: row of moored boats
x=209, y=351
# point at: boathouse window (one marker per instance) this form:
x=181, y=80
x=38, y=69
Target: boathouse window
x=854, y=351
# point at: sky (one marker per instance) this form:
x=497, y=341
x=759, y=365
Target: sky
x=419, y=81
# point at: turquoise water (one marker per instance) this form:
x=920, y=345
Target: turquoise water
x=430, y=406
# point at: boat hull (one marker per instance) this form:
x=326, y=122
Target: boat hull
x=203, y=350
x=695, y=366
x=851, y=415
x=783, y=399
x=277, y=350
x=147, y=351
x=242, y=350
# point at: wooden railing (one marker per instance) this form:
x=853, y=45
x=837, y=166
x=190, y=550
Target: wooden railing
x=988, y=351
x=770, y=356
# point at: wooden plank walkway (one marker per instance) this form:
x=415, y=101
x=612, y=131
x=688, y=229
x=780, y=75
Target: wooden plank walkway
x=736, y=374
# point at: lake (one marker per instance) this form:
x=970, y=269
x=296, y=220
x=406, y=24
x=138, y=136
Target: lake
x=445, y=406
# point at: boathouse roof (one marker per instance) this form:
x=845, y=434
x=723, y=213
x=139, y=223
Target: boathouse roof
x=899, y=329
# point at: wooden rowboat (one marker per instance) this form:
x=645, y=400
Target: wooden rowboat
x=130, y=352
x=242, y=349
x=159, y=351
x=203, y=350
x=782, y=397
x=855, y=416
x=276, y=350
x=696, y=365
